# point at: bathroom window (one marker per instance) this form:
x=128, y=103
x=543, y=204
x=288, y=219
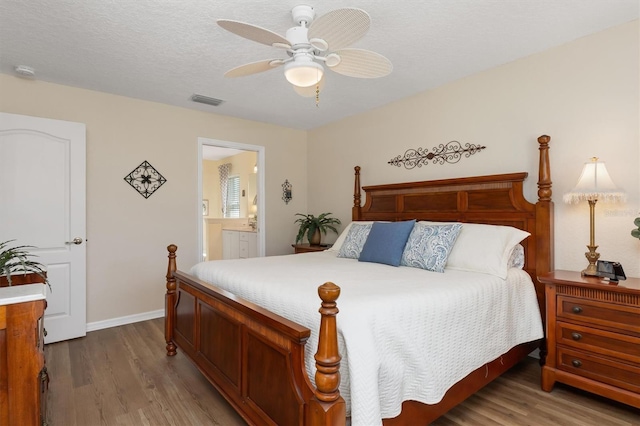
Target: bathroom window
x=233, y=197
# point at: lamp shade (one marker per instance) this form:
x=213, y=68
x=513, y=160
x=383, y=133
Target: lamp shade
x=303, y=72
x=310, y=92
x=594, y=184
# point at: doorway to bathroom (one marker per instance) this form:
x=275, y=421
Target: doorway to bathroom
x=231, y=199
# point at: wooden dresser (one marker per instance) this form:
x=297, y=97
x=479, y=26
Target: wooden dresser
x=593, y=335
x=23, y=376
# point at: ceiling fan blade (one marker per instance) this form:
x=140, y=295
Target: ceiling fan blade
x=362, y=64
x=254, y=68
x=253, y=32
x=341, y=27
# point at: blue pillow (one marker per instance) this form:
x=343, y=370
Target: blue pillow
x=386, y=242
x=428, y=246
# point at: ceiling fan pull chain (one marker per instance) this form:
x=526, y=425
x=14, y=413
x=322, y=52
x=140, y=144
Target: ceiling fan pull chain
x=318, y=90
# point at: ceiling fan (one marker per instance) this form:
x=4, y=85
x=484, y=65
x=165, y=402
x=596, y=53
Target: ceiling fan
x=312, y=45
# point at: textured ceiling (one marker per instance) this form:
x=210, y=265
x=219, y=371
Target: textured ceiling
x=165, y=51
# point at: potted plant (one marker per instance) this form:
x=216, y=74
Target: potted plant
x=635, y=233
x=312, y=226
x=17, y=260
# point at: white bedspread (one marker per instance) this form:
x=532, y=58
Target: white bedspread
x=405, y=333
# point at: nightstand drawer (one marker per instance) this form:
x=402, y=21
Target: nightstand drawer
x=606, y=343
x=601, y=369
x=593, y=312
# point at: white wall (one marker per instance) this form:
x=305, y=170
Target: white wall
x=583, y=94
x=127, y=234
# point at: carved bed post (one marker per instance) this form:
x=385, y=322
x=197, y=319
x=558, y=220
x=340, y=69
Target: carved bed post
x=355, y=212
x=544, y=169
x=328, y=407
x=544, y=210
x=544, y=231
x=170, y=301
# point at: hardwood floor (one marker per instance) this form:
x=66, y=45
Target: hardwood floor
x=121, y=376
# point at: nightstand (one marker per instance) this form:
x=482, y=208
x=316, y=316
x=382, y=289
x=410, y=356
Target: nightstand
x=308, y=248
x=593, y=335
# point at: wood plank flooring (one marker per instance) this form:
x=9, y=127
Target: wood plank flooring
x=121, y=376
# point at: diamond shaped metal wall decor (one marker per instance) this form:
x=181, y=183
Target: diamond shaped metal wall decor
x=145, y=179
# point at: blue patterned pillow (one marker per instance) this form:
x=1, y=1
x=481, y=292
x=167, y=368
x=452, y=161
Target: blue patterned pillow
x=429, y=246
x=386, y=242
x=355, y=240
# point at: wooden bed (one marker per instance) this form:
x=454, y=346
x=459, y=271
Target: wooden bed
x=256, y=358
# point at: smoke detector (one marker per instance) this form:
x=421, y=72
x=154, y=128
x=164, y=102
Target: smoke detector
x=25, y=71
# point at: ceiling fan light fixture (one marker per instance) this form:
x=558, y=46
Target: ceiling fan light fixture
x=303, y=72
x=311, y=91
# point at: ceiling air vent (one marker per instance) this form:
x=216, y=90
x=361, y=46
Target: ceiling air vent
x=206, y=100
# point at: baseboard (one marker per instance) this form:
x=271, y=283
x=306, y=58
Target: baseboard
x=129, y=319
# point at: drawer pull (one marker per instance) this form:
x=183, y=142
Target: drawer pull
x=576, y=363
x=576, y=336
x=577, y=310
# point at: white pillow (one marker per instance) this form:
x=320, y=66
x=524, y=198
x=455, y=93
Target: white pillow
x=484, y=248
x=343, y=235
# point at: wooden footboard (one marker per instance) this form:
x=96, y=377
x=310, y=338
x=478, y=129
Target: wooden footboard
x=252, y=356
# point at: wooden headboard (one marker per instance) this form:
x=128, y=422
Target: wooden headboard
x=493, y=199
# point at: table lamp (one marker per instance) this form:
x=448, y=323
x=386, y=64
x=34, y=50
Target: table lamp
x=594, y=184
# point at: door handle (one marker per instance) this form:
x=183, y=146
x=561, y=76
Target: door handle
x=75, y=241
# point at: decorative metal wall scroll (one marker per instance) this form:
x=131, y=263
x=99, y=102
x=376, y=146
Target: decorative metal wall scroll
x=451, y=152
x=145, y=179
x=286, y=191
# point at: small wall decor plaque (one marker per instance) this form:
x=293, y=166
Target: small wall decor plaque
x=451, y=152
x=286, y=191
x=145, y=179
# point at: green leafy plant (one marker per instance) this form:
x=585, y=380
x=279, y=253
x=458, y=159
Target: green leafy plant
x=635, y=233
x=309, y=224
x=16, y=260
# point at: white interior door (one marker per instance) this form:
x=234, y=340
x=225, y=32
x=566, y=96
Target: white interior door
x=42, y=204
